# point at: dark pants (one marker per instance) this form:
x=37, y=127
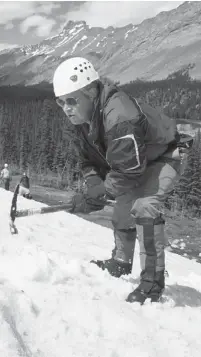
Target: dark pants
x=7, y=184
x=139, y=214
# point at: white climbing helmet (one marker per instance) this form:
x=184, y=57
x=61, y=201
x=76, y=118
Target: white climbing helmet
x=72, y=75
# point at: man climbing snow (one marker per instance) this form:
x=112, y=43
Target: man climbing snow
x=6, y=177
x=130, y=154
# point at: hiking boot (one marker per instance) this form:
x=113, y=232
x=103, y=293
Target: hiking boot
x=148, y=290
x=138, y=295
x=158, y=287
x=156, y=293
x=114, y=267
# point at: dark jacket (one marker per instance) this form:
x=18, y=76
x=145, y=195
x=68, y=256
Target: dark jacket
x=121, y=140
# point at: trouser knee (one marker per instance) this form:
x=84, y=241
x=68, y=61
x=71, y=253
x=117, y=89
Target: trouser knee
x=147, y=208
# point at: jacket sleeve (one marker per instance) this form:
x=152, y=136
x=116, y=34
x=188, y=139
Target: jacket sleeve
x=88, y=169
x=126, y=152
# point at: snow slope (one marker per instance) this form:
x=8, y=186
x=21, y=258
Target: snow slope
x=54, y=303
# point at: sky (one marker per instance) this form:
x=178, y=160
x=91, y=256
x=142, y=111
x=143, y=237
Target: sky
x=54, y=302
x=29, y=22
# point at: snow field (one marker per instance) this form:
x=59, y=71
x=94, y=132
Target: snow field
x=54, y=303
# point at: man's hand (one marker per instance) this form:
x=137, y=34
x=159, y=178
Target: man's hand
x=95, y=197
x=82, y=203
x=95, y=186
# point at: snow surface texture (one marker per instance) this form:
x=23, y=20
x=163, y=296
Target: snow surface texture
x=54, y=303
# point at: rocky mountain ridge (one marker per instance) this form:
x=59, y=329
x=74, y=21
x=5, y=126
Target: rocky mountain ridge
x=150, y=51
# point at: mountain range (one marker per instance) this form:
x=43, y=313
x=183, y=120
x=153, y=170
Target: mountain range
x=152, y=50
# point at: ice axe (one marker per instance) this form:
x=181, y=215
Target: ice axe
x=78, y=204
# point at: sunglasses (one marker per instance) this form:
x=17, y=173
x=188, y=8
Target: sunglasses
x=71, y=102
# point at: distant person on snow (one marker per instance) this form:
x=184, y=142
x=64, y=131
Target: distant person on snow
x=24, y=189
x=130, y=154
x=6, y=177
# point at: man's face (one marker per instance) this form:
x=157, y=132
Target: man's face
x=77, y=106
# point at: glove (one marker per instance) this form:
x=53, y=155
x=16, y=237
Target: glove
x=95, y=187
x=85, y=204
